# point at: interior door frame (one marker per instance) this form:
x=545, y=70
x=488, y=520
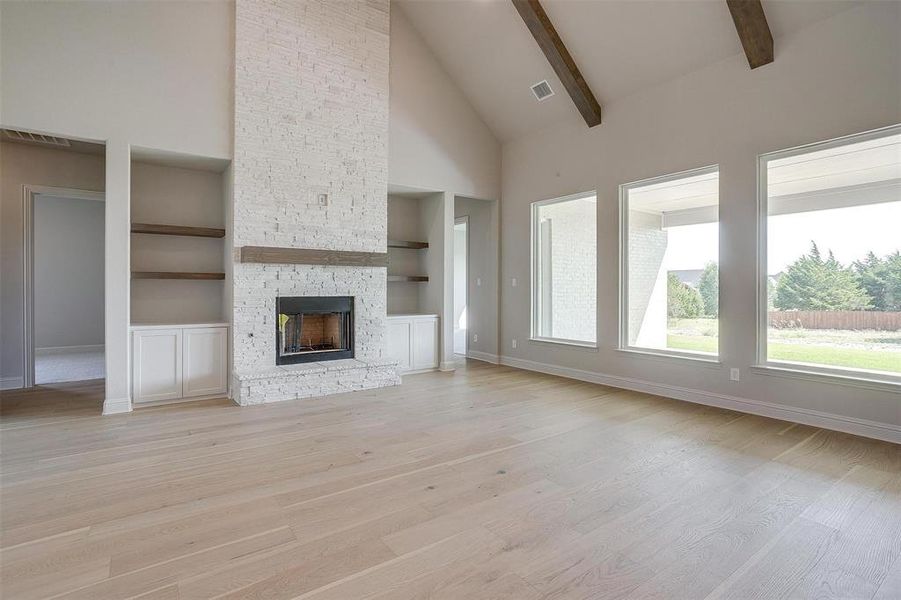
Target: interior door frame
x=464, y=220
x=29, y=193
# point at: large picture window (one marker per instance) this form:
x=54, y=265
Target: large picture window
x=670, y=258
x=830, y=277
x=564, y=270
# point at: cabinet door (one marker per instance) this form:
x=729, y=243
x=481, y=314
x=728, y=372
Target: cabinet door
x=205, y=361
x=157, y=370
x=399, y=339
x=425, y=344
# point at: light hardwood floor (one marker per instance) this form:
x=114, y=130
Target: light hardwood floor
x=486, y=483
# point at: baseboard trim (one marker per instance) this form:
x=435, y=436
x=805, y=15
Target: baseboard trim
x=862, y=427
x=483, y=356
x=11, y=383
x=416, y=371
x=116, y=406
x=183, y=400
x=67, y=349
x=447, y=366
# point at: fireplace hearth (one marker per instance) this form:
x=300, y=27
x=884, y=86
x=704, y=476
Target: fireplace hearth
x=313, y=329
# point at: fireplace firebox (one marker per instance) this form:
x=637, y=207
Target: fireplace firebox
x=313, y=328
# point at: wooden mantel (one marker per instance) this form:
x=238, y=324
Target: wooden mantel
x=302, y=256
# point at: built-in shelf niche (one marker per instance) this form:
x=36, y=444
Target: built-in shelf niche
x=178, y=249
x=407, y=245
x=413, y=253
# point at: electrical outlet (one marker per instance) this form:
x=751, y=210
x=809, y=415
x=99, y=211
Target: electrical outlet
x=734, y=374
x=322, y=199
x=513, y=282
x=478, y=282
x=475, y=337
x=514, y=343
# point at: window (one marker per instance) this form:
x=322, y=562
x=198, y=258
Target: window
x=669, y=272
x=564, y=270
x=830, y=256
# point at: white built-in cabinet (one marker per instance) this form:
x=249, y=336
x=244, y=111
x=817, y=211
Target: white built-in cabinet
x=413, y=342
x=172, y=362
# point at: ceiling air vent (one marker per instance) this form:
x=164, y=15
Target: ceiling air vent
x=36, y=138
x=542, y=90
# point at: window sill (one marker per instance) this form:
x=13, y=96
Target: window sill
x=707, y=360
x=809, y=373
x=573, y=343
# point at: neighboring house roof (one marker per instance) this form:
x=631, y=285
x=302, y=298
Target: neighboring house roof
x=688, y=276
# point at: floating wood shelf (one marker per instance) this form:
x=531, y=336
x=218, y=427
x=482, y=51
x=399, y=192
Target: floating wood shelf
x=407, y=278
x=175, y=275
x=158, y=229
x=405, y=244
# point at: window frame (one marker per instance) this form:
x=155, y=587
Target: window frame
x=831, y=374
x=533, y=279
x=624, y=345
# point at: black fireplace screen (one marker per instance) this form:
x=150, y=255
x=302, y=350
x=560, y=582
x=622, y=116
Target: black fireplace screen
x=313, y=328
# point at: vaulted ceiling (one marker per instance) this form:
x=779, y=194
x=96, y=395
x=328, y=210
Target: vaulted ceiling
x=620, y=46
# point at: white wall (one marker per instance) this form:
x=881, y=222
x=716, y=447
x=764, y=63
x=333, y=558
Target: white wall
x=837, y=77
x=158, y=74
x=483, y=266
x=436, y=141
x=145, y=73
x=68, y=272
x=435, y=228
x=29, y=165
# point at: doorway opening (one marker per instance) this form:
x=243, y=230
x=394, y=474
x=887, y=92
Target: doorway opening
x=461, y=284
x=64, y=291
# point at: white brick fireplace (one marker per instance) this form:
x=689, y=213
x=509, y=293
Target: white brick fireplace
x=310, y=171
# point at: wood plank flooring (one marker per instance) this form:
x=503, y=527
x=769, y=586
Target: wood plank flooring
x=485, y=483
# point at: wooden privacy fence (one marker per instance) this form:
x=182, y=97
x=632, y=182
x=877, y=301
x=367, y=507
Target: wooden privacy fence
x=835, y=319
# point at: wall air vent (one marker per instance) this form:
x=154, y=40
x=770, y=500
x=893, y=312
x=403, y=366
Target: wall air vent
x=542, y=90
x=36, y=138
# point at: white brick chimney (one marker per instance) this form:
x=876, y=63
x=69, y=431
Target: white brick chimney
x=311, y=119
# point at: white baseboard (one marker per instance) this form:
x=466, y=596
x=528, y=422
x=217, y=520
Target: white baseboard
x=447, y=366
x=185, y=400
x=871, y=429
x=115, y=406
x=483, y=356
x=416, y=371
x=11, y=383
x=68, y=349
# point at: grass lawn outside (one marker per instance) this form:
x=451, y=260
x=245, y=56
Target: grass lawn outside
x=871, y=350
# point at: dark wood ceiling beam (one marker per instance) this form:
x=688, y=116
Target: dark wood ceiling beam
x=564, y=66
x=753, y=30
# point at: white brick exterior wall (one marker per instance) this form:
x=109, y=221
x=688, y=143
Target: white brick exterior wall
x=647, y=280
x=311, y=117
x=573, y=266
